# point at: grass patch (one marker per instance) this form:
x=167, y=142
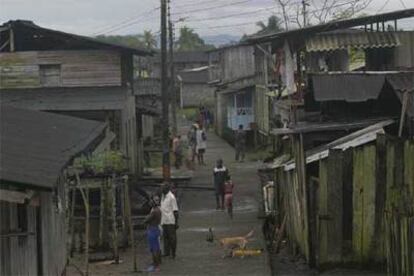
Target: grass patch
x=189, y=113
x=259, y=154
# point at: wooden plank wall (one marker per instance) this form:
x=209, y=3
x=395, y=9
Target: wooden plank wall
x=330, y=210
x=261, y=109
x=18, y=254
x=129, y=138
x=404, y=54
x=399, y=207
x=364, y=191
x=53, y=239
x=78, y=68
x=237, y=62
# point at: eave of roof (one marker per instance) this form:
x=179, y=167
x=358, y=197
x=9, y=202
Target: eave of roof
x=36, y=146
x=334, y=25
x=355, y=139
x=30, y=25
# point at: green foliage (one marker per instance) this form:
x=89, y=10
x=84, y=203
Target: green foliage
x=146, y=40
x=274, y=24
x=191, y=41
x=190, y=113
x=107, y=161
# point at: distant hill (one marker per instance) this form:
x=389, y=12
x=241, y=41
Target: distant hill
x=221, y=39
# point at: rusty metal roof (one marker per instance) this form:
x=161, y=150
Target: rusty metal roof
x=357, y=39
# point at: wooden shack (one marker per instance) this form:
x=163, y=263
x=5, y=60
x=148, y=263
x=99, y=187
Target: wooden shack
x=35, y=149
x=350, y=201
x=49, y=70
x=232, y=73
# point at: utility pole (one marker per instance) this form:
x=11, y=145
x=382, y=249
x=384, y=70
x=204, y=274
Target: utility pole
x=304, y=4
x=166, y=170
x=172, y=73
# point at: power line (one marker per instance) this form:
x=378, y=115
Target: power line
x=229, y=15
x=125, y=22
x=403, y=4
x=196, y=4
x=212, y=8
x=383, y=6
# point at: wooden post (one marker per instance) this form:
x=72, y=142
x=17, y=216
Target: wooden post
x=85, y=198
x=123, y=217
x=403, y=111
x=101, y=213
x=114, y=222
x=12, y=45
x=131, y=227
x=72, y=222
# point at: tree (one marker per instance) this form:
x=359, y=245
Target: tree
x=319, y=11
x=146, y=40
x=274, y=24
x=126, y=40
x=149, y=40
x=190, y=41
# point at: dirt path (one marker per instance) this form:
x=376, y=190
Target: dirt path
x=195, y=256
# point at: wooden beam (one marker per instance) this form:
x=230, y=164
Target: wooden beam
x=403, y=111
x=12, y=46
x=5, y=44
x=3, y=29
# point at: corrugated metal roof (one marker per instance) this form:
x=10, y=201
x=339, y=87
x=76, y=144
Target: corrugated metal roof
x=363, y=40
x=403, y=83
x=350, y=87
x=352, y=140
x=333, y=25
x=36, y=146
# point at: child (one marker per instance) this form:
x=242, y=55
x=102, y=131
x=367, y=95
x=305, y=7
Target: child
x=228, y=195
x=153, y=221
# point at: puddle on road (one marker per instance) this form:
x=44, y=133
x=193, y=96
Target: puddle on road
x=245, y=205
x=203, y=229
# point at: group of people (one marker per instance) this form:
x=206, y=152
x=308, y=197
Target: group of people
x=205, y=117
x=162, y=220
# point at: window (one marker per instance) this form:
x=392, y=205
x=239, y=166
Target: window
x=50, y=75
x=22, y=220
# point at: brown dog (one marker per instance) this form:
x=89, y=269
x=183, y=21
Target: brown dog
x=231, y=243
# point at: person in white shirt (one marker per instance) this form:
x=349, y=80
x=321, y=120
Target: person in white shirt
x=169, y=220
x=201, y=140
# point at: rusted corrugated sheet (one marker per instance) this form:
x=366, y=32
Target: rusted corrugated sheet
x=350, y=87
x=344, y=40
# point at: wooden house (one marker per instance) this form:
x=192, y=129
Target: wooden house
x=44, y=69
x=344, y=196
x=36, y=147
x=232, y=73
x=191, y=72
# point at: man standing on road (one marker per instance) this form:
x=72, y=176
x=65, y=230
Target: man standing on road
x=220, y=173
x=169, y=220
x=240, y=143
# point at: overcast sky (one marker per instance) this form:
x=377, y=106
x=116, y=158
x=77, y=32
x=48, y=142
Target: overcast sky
x=90, y=17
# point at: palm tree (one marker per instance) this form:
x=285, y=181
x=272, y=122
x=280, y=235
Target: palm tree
x=190, y=40
x=274, y=24
x=149, y=40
